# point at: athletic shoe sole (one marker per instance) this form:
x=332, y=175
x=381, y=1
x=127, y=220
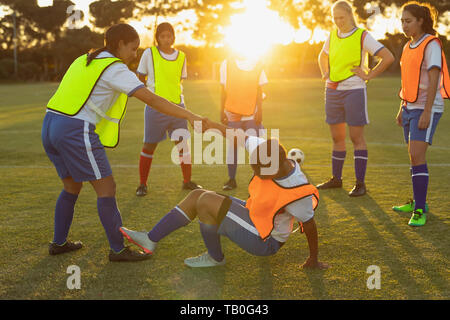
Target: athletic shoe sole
x=134, y=242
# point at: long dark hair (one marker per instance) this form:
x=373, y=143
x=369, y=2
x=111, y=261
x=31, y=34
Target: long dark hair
x=423, y=11
x=165, y=26
x=113, y=35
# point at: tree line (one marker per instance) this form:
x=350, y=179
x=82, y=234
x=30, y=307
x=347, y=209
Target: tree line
x=46, y=46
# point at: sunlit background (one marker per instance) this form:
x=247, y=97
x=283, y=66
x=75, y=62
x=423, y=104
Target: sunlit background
x=255, y=30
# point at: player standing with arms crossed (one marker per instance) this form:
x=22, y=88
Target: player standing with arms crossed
x=165, y=68
x=343, y=63
x=425, y=84
x=82, y=118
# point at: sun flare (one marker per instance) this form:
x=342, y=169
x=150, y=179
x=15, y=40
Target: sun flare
x=253, y=32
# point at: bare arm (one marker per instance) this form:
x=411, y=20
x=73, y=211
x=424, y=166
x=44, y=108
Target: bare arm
x=386, y=59
x=433, y=75
x=165, y=106
x=323, y=65
x=310, y=230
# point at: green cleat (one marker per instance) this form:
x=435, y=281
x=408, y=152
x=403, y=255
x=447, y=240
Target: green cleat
x=418, y=218
x=408, y=207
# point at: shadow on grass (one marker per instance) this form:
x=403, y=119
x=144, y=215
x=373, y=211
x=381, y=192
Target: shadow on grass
x=411, y=287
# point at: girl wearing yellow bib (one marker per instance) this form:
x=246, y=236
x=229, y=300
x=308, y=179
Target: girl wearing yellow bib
x=82, y=118
x=425, y=85
x=343, y=63
x=163, y=68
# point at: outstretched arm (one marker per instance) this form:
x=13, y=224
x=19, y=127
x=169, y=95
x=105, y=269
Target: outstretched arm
x=167, y=107
x=310, y=230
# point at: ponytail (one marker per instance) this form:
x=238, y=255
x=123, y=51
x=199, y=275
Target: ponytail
x=116, y=33
x=93, y=54
x=424, y=11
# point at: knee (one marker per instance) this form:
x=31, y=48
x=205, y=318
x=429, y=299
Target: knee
x=203, y=206
x=417, y=158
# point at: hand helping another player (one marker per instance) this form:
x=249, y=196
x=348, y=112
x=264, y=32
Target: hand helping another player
x=206, y=124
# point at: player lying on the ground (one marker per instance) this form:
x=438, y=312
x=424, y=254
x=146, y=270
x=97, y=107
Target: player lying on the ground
x=261, y=225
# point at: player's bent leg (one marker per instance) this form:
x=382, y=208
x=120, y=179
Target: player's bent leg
x=211, y=208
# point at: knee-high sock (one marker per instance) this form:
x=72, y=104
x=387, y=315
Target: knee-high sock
x=232, y=160
x=111, y=220
x=337, y=163
x=211, y=238
x=63, y=216
x=420, y=185
x=145, y=163
x=361, y=157
x=172, y=221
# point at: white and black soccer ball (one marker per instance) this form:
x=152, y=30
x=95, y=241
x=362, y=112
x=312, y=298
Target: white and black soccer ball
x=296, y=155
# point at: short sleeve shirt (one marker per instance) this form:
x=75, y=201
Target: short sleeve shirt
x=370, y=46
x=116, y=79
x=432, y=59
x=245, y=66
x=145, y=67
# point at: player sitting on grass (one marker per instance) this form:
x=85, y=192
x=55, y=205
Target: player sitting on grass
x=261, y=225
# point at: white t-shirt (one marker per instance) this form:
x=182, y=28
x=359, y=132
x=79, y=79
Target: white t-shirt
x=300, y=210
x=432, y=58
x=145, y=68
x=244, y=65
x=370, y=45
x=116, y=79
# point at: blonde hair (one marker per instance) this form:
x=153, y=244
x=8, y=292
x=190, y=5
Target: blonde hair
x=347, y=7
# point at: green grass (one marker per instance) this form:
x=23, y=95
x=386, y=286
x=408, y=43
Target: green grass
x=354, y=233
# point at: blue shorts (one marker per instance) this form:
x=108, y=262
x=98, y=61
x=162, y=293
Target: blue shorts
x=411, y=131
x=74, y=148
x=348, y=106
x=246, y=125
x=239, y=228
x=158, y=125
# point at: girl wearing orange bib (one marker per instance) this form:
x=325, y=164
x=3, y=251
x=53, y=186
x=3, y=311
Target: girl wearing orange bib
x=261, y=225
x=425, y=85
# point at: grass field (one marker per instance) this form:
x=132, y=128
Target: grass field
x=353, y=233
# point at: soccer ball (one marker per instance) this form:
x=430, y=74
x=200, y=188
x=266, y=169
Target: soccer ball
x=296, y=155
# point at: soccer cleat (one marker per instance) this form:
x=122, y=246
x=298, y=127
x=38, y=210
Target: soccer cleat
x=141, y=190
x=408, y=207
x=140, y=239
x=358, y=190
x=68, y=246
x=202, y=261
x=418, y=218
x=127, y=255
x=230, y=185
x=330, y=184
x=191, y=185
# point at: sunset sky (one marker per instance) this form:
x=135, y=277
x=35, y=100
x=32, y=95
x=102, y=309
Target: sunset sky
x=256, y=29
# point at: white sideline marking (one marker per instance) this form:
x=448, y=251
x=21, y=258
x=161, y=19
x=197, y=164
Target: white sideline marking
x=305, y=167
x=282, y=138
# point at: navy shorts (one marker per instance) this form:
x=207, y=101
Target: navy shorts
x=74, y=148
x=411, y=131
x=348, y=106
x=246, y=125
x=239, y=228
x=158, y=125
